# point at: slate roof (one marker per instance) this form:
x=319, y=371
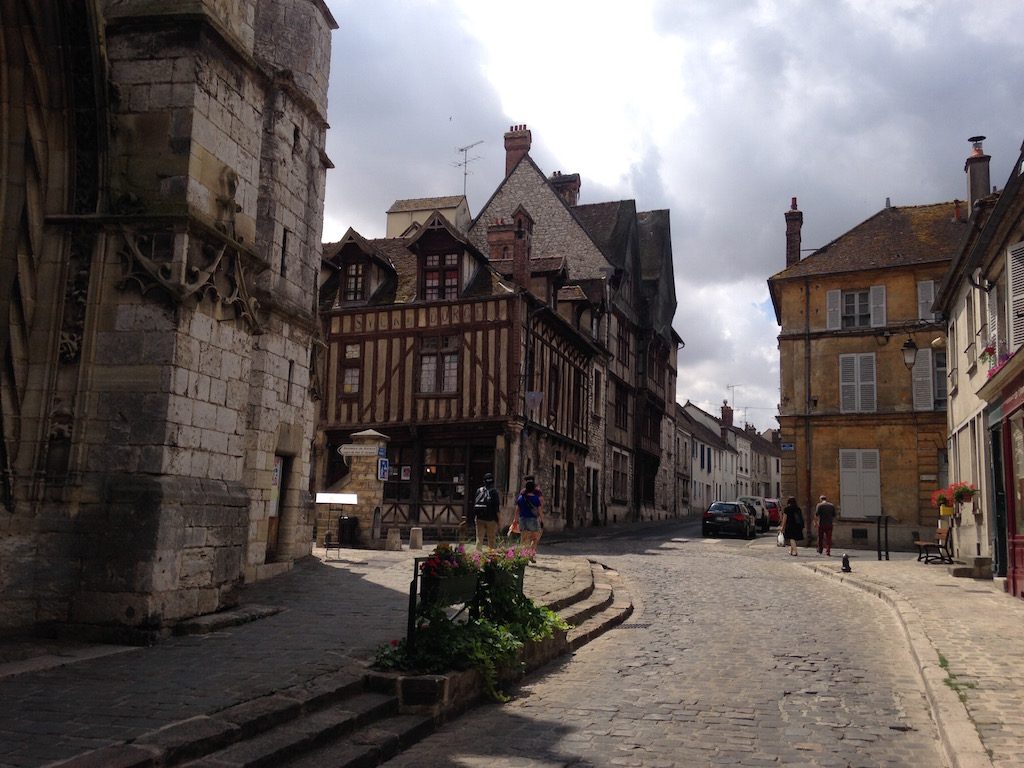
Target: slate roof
x=426, y=203
x=897, y=236
x=703, y=433
x=609, y=226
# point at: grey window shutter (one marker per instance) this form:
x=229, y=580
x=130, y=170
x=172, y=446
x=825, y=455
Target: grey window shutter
x=848, y=383
x=866, y=382
x=877, y=295
x=1016, y=264
x=925, y=299
x=834, y=302
x=921, y=374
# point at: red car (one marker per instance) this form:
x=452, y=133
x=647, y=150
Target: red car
x=774, y=512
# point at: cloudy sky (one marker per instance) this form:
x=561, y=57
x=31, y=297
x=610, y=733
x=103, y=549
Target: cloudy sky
x=719, y=110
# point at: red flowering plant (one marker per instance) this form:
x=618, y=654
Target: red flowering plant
x=962, y=492
x=943, y=497
x=447, y=560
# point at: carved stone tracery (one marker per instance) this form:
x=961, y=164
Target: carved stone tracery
x=187, y=266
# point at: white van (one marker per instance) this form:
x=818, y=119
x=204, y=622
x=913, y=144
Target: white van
x=757, y=502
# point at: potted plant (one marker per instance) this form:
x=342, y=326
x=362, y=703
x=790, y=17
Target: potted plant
x=962, y=492
x=943, y=499
x=988, y=354
x=449, y=575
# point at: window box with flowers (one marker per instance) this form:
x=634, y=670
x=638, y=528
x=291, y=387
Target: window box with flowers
x=962, y=492
x=449, y=576
x=943, y=500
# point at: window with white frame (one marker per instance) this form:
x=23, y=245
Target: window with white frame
x=856, y=309
x=857, y=391
x=439, y=364
x=971, y=350
x=860, y=483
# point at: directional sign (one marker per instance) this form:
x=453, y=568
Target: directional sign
x=788, y=447
x=354, y=449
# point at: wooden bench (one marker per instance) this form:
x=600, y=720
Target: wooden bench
x=938, y=551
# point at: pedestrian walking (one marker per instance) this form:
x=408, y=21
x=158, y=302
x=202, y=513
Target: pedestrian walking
x=486, y=507
x=792, y=524
x=529, y=514
x=824, y=517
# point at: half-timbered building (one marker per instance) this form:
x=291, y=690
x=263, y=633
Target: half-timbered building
x=537, y=341
x=465, y=371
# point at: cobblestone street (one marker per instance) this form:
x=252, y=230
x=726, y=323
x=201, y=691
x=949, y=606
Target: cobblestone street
x=730, y=659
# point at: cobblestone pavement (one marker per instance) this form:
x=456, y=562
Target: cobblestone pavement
x=730, y=659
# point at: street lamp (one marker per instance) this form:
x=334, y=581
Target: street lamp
x=909, y=350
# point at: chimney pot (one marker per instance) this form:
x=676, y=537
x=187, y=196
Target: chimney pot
x=977, y=170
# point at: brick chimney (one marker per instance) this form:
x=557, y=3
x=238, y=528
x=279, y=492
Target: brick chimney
x=522, y=245
x=726, y=410
x=976, y=168
x=567, y=186
x=794, y=222
x=501, y=241
x=517, y=144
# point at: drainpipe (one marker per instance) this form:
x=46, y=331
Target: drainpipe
x=808, y=433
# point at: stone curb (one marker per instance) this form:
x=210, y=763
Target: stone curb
x=960, y=740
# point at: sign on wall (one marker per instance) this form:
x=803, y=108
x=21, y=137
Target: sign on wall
x=383, y=469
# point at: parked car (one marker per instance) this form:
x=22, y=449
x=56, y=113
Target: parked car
x=774, y=511
x=757, y=502
x=732, y=517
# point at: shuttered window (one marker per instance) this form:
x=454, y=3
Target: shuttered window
x=857, y=383
x=860, y=485
x=924, y=399
x=925, y=299
x=856, y=309
x=1016, y=262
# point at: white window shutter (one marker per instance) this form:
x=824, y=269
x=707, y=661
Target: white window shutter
x=925, y=298
x=848, y=383
x=1016, y=260
x=870, y=483
x=921, y=374
x=866, y=383
x=877, y=295
x=834, y=300
x=992, y=314
x=849, y=481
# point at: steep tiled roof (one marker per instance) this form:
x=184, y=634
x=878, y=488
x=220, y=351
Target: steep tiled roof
x=893, y=237
x=557, y=232
x=425, y=203
x=609, y=226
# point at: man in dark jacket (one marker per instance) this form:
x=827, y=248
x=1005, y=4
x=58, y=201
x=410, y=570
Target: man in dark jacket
x=824, y=517
x=486, y=506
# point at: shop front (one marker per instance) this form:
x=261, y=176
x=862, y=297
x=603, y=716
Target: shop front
x=1004, y=393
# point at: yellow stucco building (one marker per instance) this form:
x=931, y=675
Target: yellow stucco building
x=863, y=371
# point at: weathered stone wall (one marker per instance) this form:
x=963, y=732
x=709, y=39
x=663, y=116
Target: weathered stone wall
x=198, y=322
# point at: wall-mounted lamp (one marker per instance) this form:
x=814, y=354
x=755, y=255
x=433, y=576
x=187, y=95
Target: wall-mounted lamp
x=909, y=350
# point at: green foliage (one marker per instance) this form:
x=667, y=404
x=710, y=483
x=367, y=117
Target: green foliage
x=501, y=619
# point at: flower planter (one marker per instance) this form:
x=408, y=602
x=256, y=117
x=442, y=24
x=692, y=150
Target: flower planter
x=505, y=578
x=448, y=590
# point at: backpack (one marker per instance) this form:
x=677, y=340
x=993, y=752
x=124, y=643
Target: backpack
x=481, y=497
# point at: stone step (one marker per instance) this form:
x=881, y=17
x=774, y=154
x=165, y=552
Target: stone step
x=370, y=746
x=298, y=736
x=619, y=609
x=599, y=597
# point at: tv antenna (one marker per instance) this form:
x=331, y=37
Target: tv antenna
x=466, y=160
x=732, y=391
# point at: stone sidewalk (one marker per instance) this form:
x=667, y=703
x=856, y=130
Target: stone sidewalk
x=967, y=638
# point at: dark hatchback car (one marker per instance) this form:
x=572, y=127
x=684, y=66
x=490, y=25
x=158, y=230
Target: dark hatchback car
x=732, y=517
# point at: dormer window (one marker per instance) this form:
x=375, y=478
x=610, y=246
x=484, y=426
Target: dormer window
x=441, y=277
x=352, y=288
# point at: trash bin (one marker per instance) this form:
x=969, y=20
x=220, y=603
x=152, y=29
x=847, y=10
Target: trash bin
x=348, y=531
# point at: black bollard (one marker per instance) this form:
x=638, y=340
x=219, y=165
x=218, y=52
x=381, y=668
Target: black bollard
x=846, y=564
